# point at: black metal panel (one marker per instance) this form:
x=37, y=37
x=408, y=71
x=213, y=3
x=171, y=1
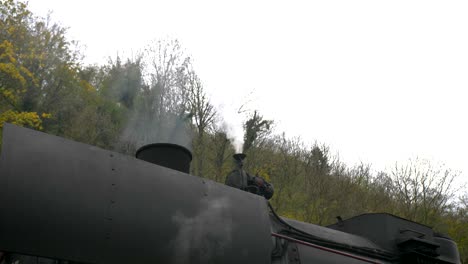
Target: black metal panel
x=55, y=195
x=383, y=229
x=68, y=200
x=448, y=249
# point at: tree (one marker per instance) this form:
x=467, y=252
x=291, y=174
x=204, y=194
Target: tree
x=255, y=129
x=122, y=82
x=42, y=84
x=317, y=185
x=422, y=189
x=99, y=120
x=159, y=113
x=203, y=115
x=222, y=150
x=285, y=169
x=16, y=77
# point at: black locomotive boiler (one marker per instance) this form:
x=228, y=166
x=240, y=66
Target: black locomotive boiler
x=70, y=202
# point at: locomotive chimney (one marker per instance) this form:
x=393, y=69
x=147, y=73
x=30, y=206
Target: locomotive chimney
x=168, y=155
x=239, y=158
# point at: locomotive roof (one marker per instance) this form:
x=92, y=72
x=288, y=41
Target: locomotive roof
x=333, y=235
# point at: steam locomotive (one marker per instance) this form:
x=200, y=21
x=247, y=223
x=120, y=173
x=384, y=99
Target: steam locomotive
x=73, y=202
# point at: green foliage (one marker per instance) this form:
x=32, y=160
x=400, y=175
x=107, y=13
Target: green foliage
x=42, y=85
x=255, y=128
x=121, y=82
x=15, y=76
x=159, y=111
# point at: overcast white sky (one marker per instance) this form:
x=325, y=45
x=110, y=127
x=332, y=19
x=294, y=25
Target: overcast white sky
x=378, y=81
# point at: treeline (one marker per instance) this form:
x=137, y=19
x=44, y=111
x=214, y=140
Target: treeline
x=158, y=96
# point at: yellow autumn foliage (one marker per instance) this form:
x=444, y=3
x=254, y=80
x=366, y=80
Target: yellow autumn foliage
x=11, y=70
x=87, y=86
x=264, y=173
x=8, y=95
x=29, y=119
x=14, y=79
